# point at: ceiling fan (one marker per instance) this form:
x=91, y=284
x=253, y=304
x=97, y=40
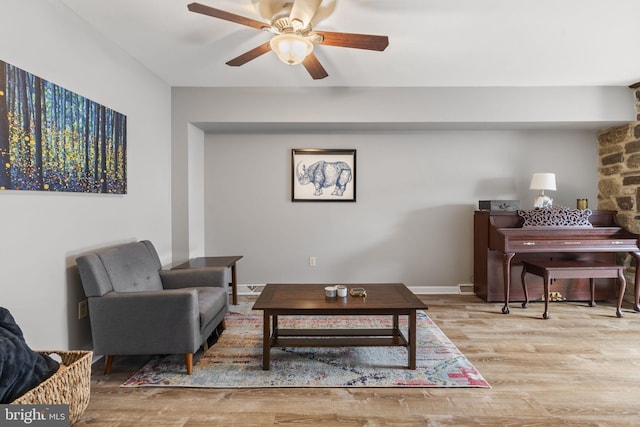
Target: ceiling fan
x=293, y=40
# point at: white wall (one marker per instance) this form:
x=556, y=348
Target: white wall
x=416, y=193
x=321, y=110
x=196, y=192
x=449, y=147
x=42, y=232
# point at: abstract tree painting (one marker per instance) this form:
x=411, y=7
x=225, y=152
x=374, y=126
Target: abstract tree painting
x=52, y=139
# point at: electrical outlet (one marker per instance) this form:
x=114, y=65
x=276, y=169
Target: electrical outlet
x=83, y=309
x=312, y=261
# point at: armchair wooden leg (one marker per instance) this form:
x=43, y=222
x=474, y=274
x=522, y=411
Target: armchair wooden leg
x=188, y=359
x=223, y=324
x=107, y=364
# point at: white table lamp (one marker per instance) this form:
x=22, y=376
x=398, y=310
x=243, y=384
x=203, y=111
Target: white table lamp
x=543, y=181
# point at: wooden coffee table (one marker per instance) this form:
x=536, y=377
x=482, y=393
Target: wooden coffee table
x=390, y=299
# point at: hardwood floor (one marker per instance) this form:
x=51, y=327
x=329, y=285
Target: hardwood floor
x=579, y=368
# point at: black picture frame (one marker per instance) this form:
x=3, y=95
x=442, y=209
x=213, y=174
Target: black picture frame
x=323, y=175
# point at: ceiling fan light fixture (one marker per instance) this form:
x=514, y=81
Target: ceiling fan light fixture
x=291, y=48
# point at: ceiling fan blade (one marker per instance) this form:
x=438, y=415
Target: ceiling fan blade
x=250, y=55
x=227, y=16
x=356, y=41
x=303, y=11
x=314, y=67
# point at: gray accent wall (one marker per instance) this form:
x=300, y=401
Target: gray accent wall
x=425, y=156
x=416, y=193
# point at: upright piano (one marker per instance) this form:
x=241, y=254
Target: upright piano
x=501, y=243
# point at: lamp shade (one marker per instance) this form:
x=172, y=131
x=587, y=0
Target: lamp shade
x=543, y=181
x=291, y=48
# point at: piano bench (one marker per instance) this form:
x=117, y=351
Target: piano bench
x=566, y=269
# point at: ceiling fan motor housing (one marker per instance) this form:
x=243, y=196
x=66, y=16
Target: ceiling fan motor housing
x=294, y=38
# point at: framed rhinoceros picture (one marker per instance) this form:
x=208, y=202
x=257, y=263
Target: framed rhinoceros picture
x=323, y=175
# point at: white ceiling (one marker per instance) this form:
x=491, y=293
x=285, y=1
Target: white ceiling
x=444, y=43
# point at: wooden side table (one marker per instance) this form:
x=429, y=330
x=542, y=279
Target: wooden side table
x=217, y=261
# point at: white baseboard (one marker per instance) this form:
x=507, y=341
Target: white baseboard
x=248, y=289
x=435, y=290
x=255, y=289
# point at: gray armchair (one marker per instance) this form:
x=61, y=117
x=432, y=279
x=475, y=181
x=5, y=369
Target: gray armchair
x=135, y=307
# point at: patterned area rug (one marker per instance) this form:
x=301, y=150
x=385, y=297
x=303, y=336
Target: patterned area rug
x=234, y=361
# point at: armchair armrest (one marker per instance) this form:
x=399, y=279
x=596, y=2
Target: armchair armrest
x=193, y=277
x=160, y=317
x=157, y=308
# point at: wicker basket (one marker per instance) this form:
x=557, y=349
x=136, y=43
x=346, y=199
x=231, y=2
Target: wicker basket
x=70, y=385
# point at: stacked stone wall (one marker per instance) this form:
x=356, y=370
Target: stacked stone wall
x=619, y=181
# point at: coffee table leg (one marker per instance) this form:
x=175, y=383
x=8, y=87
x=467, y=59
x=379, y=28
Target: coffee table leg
x=266, y=347
x=412, y=339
